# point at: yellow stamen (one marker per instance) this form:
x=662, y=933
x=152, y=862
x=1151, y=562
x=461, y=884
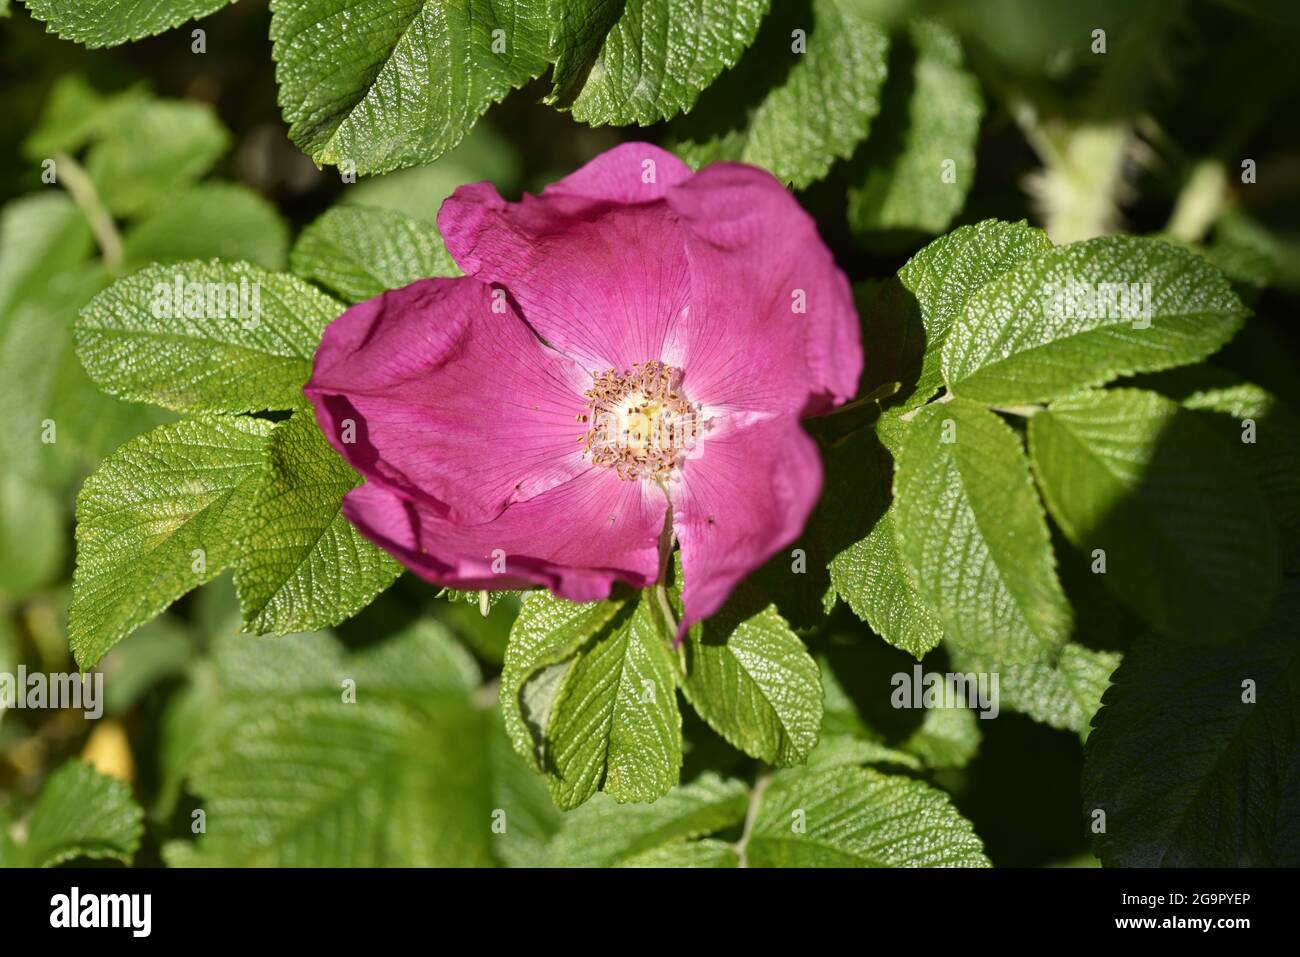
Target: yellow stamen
x=642, y=425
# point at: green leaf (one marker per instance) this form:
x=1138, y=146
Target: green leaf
x=1249, y=270
x=1186, y=535
x=40, y=236
x=794, y=113
x=486, y=635
x=546, y=636
x=613, y=721
x=906, y=186
x=74, y=114
x=90, y=423
x=421, y=661
x=1195, y=754
x=158, y=517
x=211, y=220
x=1237, y=231
x=399, y=775
x=845, y=738
x=890, y=319
x=875, y=582
x=1063, y=695
x=32, y=536
x=531, y=818
x=1029, y=336
x=947, y=272
x=82, y=814
x=750, y=677
x=57, y=423
x=407, y=88
x=869, y=574
x=1267, y=435
x=703, y=853
x=152, y=149
x=106, y=23
x=578, y=31
x=358, y=252
x=973, y=534
x=182, y=729
x=588, y=697
x=835, y=750
x=8, y=650
x=839, y=713
x=419, y=192
x=159, y=650
x=858, y=817
x=947, y=737
x=239, y=339
x=44, y=242
x=658, y=56
x=302, y=566
x=604, y=833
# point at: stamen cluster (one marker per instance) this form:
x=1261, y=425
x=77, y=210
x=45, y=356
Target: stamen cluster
x=641, y=425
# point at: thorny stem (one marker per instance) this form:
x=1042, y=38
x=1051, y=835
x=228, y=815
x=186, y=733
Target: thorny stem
x=741, y=847
x=87, y=199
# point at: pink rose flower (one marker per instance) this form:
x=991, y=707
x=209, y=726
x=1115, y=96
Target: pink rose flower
x=636, y=336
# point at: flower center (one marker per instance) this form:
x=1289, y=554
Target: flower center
x=639, y=422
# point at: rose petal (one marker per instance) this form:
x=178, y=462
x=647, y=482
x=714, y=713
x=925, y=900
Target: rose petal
x=451, y=400
x=576, y=539
x=755, y=260
x=628, y=173
x=747, y=495
x=603, y=283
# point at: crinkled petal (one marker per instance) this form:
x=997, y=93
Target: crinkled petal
x=747, y=495
x=772, y=322
x=628, y=173
x=576, y=539
x=603, y=282
x=446, y=396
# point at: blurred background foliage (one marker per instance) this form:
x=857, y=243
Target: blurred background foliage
x=191, y=159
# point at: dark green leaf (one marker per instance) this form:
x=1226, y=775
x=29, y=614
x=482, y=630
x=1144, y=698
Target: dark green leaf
x=1195, y=755
x=1145, y=487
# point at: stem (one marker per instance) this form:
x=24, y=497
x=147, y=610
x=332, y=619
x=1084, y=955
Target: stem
x=884, y=392
x=909, y=416
x=666, y=609
x=87, y=199
x=751, y=815
x=666, y=556
x=1024, y=411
